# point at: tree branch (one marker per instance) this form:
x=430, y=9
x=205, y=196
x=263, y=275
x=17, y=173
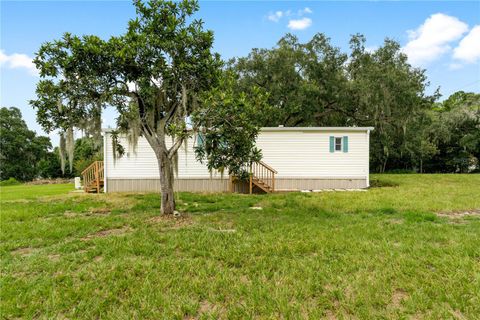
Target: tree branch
x=174, y=148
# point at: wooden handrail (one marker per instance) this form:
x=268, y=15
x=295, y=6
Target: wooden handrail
x=263, y=176
x=93, y=175
x=267, y=166
x=89, y=167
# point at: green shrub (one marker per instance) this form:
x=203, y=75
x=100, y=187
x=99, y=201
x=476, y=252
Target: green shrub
x=9, y=182
x=380, y=183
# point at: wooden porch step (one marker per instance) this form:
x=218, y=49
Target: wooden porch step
x=262, y=185
x=261, y=176
x=92, y=187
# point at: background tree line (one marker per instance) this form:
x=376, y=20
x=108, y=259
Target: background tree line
x=25, y=156
x=316, y=84
x=306, y=84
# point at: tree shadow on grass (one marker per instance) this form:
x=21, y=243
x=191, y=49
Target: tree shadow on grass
x=383, y=183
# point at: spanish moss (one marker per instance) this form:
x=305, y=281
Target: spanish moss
x=61, y=151
x=70, y=147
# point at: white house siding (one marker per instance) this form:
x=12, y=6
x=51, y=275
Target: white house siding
x=301, y=157
x=137, y=170
x=297, y=154
x=142, y=163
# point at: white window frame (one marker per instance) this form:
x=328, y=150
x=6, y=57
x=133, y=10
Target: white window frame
x=335, y=144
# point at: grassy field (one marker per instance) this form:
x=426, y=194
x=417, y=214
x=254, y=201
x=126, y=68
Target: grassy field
x=408, y=248
x=32, y=192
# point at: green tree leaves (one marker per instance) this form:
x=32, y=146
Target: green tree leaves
x=21, y=150
x=315, y=84
x=228, y=123
x=456, y=130
x=153, y=74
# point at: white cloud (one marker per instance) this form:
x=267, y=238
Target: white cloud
x=278, y=15
x=18, y=61
x=468, y=50
x=275, y=16
x=305, y=10
x=299, y=24
x=432, y=39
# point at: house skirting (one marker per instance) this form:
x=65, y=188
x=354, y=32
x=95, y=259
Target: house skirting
x=207, y=185
x=320, y=183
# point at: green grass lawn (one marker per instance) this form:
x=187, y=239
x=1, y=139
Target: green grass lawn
x=31, y=192
x=384, y=253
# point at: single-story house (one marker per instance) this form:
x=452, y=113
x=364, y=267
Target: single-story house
x=294, y=158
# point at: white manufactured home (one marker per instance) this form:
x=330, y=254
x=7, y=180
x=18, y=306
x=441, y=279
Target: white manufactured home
x=309, y=158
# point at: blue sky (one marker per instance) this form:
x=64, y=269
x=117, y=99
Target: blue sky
x=439, y=36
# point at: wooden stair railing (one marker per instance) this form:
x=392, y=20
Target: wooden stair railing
x=262, y=176
x=93, y=177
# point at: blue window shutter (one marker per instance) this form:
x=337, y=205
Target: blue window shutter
x=332, y=144
x=200, y=140
x=345, y=144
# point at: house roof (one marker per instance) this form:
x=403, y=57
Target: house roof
x=267, y=129
x=317, y=129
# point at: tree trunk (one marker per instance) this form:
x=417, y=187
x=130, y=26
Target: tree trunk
x=165, y=168
x=166, y=183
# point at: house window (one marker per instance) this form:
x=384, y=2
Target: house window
x=338, y=144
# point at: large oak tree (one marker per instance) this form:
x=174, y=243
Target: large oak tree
x=153, y=75
x=165, y=83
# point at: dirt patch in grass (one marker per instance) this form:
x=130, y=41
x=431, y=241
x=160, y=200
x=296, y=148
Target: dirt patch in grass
x=17, y=201
x=395, y=221
x=205, y=307
x=107, y=233
x=457, y=314
x=99, y=211
x=70, y=214
x=108, y=202
x=329, y=287
x=54, y=257
x=329, y=291
x=330, y=315
x=121, y=201
x=244, y=279
x=222, y=230
x=460, y=214
x=171, y=222
x=208, y=308
x=223, y=227
x=398, y=296
x=91, y=212
x=24, y=251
